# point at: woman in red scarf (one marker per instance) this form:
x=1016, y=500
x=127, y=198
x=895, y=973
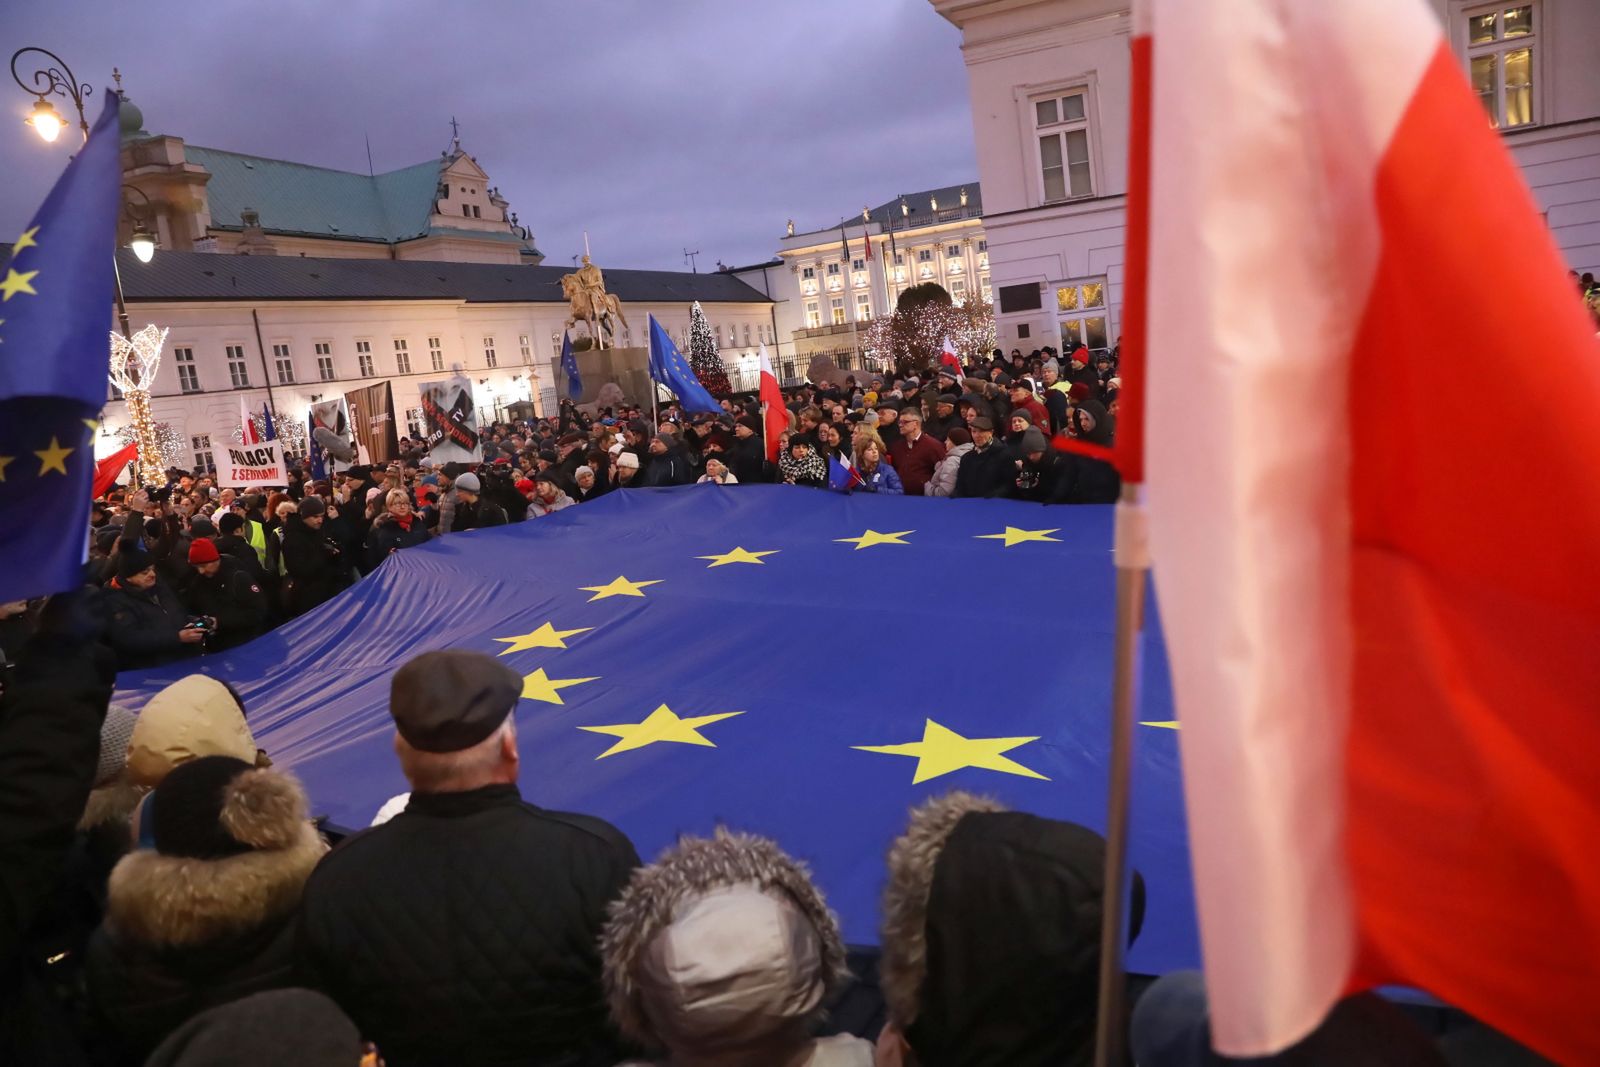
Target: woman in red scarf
x=398, y=527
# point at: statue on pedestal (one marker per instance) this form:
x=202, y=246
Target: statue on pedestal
x=585, y=289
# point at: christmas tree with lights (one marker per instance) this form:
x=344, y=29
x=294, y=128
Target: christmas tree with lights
x=703, y=355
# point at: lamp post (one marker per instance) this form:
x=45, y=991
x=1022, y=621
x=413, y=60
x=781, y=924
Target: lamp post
x=57, y=79
x=134, y=357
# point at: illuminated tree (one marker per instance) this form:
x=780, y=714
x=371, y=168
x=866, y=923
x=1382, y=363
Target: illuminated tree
x=703, y=355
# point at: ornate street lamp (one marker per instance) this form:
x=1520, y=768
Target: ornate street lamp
x=143, y=242
x=54, y=80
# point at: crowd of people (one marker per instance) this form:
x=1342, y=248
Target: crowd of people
x=168, y=900
x=166, y=897
x=191, y=567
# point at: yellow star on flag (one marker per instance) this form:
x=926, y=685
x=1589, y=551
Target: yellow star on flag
x=619, y=587
x=1014, y=536
x=738, y=555
x=17, y=282
x=663, y=724
x=873, y=537
x=540, y=686
x=25, y=241
x=546, y=636
x=93, y=424
x=53, y=458
x=5, y=461
x=942, y=750
x=1170, y=724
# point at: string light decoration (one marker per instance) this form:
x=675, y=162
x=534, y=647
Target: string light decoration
x=910, y=340
x=703, y=355
x=170, y=445
x=134, y=362
x=290, y=430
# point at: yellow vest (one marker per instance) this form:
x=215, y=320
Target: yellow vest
x=256, y=535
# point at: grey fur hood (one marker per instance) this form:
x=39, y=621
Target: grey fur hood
x=182, y=901
x=720, y=951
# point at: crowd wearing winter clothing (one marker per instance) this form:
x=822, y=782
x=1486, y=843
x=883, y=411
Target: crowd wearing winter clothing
x=166, y=898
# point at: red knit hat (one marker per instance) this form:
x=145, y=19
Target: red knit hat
x=1080, y=390
x=203, y=551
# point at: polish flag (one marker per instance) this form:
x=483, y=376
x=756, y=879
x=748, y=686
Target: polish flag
x=948, y=357
x=773, y=412
x=247, y=429
x=1374, y=542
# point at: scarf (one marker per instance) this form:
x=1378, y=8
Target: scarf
x=404, y=521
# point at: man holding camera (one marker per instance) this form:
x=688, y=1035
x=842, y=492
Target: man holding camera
x=147, y=623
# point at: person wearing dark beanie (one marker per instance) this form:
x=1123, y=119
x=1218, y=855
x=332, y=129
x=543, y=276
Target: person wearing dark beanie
x=748, y=456
x=231, y=542
x=146, y=621
x=207, y=916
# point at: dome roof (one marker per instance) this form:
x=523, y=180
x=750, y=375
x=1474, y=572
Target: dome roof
x=130, y=120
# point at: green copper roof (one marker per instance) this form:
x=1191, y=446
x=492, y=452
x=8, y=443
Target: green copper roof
x=294, y=198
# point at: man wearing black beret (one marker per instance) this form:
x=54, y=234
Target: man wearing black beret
x=466, y=928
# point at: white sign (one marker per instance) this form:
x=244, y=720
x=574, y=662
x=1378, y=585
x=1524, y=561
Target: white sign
x=241, y=466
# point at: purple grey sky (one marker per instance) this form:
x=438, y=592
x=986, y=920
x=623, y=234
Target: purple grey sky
x=657, y=125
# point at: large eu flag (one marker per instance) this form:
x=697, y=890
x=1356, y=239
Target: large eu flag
x=56, y=292
x=668, y=367
x=797, y=663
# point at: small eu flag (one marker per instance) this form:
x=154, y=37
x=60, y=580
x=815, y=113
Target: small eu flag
x=569, y=366
x=668, y=367
x=56, y=291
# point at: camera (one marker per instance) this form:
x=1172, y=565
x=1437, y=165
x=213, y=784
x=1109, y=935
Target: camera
x=200, y=624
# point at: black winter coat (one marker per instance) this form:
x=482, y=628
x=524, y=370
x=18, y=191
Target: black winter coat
x=231, y=597
x=142, y=625
x=748, y=460
x=466, y=930
x=669, y=468
x=388, y=536
x=314, y=563
x=986, y=473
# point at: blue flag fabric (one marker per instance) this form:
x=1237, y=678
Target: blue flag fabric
x=569, y=366
x=668, y=367
x=842, y=475
x=704, y=655
x=269, y=432
x=56, y=292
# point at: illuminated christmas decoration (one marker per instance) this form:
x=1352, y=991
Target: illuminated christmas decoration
x=290, y=430
x=703, y=354
x=134, y=361
x=170, y=446
x=909, y=341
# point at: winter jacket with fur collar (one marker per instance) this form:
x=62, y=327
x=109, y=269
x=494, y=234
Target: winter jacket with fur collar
x=721, y=954
x=182, y=934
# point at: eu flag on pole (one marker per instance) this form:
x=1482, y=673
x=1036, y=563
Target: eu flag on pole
x=668, y=367
x=569, y=366
x=56, y=291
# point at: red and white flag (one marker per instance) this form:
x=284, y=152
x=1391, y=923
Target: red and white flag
x=1376, y=559
x=247, y=429
x=773, y=412
x=948, y=357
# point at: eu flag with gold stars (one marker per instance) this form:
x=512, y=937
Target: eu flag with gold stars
x=56, y=292
x=668, y=367
x=783, y=660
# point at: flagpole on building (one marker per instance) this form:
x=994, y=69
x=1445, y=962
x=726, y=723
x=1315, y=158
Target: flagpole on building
x=1132, y=558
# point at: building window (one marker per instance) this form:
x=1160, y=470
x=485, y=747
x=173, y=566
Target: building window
x=555, y=344
x=808, y=272
x=1500, y=45
x=958, y=290
x=1081, y=308
x=858, y=264
x=952, y=251
x=924, y=255
x=435, y=353
x=324, y=353
x=238, y=373
x=863, y=307
x=836, y=310
x=402, y=356
x=988, y=294
x=488, y=352
x=283, y=364
x=899, y=259
x=201, y=443
x=466, y=210
x=813, y=316
x=364, y=357
x=188, y=377
x=833, y=268
x=747, y=335
x=525, y=343
x=476, y=213
x=983, y=246
x=1062, y=126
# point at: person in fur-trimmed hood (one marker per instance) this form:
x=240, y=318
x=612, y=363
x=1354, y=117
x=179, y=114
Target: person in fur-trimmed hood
x=722, y=953
x=207, y=916
x=991, y=938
